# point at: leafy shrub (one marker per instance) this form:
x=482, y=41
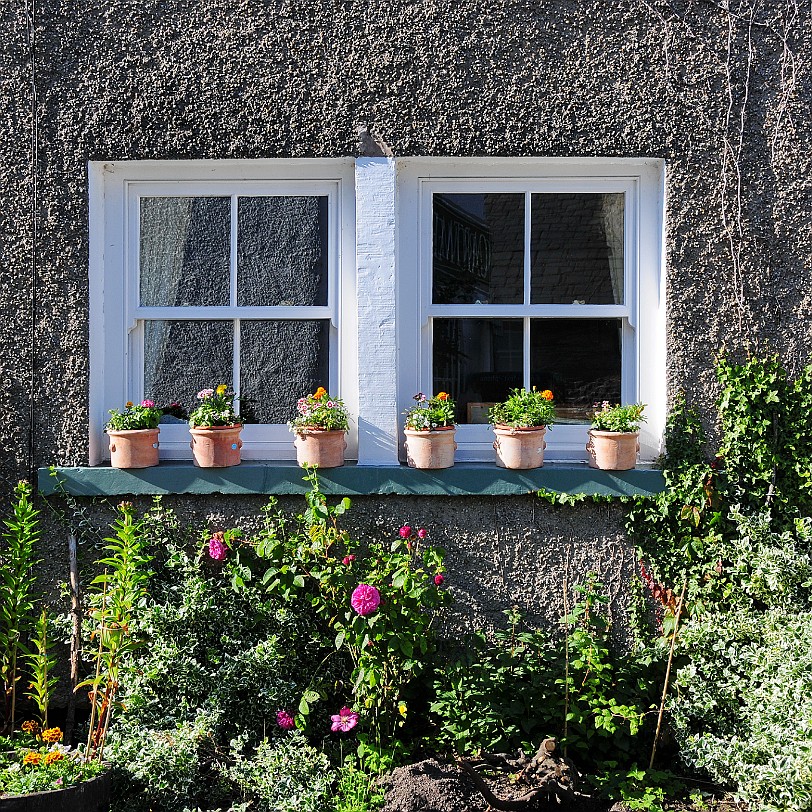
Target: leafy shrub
x=743, y=707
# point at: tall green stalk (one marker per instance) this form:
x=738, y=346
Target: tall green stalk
x=16, y=592
x=41, y=666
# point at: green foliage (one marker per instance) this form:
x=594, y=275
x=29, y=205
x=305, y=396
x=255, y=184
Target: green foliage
x=640, y=790
x=316, y=563
x=286, y=776
x=320, y=411
x=216, y=408
x=516, y=688
x=743, y=708
x=356, y=790
x=17, y=778
x=41, y=664
x=618, y=418
x=144, y=415
x=524, y=409
x=430, y=413
x=17, y=582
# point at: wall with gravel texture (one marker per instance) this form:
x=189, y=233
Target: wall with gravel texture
x=722, y=97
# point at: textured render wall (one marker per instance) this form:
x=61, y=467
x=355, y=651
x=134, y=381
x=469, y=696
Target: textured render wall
x=137, y=79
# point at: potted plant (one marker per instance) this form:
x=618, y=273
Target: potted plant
x=215, y=428
x=320, y=426
x=613, y=439
x=133, y=435
x=520, y=423
x=430, y=432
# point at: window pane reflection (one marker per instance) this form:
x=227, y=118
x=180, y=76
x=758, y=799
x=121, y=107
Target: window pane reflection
x=184, y=251
x=279, y=362
x=478, y=249
x=576, y=249
x=579, y=360
x=477, y=361
x=183, y=357
x=282, y=251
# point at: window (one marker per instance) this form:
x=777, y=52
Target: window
x=530, y=273
x=214, y=278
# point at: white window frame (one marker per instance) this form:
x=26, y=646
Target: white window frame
x=643, y=309
x=116, y=323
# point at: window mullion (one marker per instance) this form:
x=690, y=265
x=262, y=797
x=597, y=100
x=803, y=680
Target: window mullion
x=527, y=214
x=235, y=368
x=526, y=352
x=233, y=254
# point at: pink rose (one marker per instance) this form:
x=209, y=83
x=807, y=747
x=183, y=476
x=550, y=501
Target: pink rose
x=422, y=533
x=285, y=720
x=344, y=721
x=365, y=599
x=148, y=404
x=439, y=579
x=217, y=547
x=405, y=531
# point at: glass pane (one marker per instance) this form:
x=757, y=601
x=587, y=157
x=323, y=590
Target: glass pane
x=279, y=362
x=477, y=361
x=184, y=251
x=478, y=249
x=576, y=249
x=282, y=251
x=579, y=360
x=183, y=357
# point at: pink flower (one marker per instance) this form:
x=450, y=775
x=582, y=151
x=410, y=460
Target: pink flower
x=405, y=531
x=346, y=561
x=365, y=599
x=439, y=579
x=330, y=404
x=422, y=533
x=344, y=721
x=148, y=404
x=217, y=547
x=205, y=393
x=285, y=720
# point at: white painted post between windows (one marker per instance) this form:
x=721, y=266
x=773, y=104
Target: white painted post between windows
x=375, y=222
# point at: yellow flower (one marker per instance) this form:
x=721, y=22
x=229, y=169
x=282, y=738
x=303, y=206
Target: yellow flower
x=53, y=757
x=222, y=389
x=52, y=735
x=320, y=393
x=402, y=708
x=442, y=396
x=129, y=404
x=32, y=757
x=547, y=394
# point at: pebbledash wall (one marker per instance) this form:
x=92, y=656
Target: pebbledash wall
x=716, y=96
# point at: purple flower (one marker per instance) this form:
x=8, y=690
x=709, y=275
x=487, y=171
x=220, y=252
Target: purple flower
x=439, y=579
x=285, y=720
x=405, y=531
x=148, y=404
x=365, y=599
x=217, y=547
x=344, y=721
x=422, y=533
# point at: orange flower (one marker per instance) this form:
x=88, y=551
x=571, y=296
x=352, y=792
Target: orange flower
x=52, y=735
x=547, y=394
x=442, y=396
x=53, y=757
x=32, y=757
x=320, y=393
x=30, y=727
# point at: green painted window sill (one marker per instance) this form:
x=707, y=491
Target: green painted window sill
x=279, y=478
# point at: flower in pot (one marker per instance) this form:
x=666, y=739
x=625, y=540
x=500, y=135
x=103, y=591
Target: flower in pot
x=430, y=431
x=613, y=439
x=215, y=428
x=133, y=435
x=520, y=423
x=320, y=425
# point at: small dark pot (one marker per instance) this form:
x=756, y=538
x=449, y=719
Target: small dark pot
x=89, y=796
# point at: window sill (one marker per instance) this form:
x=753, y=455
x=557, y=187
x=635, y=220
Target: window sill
x=279, y=478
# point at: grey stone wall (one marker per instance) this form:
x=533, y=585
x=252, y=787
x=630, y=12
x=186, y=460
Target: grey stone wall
x=722, y=97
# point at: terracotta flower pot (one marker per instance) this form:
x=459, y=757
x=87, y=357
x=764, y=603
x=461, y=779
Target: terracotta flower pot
x=89, y=796
x=318, y=447
x=519, y=448
x=430, y=449
x=137, y=448
x=216, y=446
x=613, y=450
